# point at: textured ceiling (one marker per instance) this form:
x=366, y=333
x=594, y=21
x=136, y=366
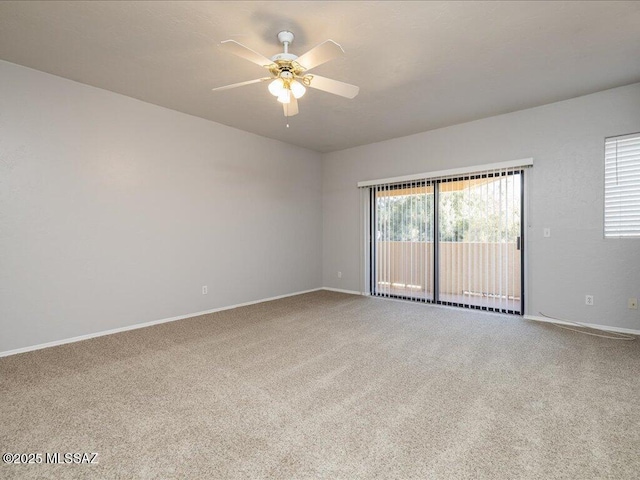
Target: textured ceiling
x=419, y=65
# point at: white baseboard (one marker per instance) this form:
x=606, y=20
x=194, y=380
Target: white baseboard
x=230, y=307
x=591, y=325
x=340, y=290
x=143, y=325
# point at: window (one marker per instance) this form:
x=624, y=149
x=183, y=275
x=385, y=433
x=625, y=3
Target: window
x=622, y=186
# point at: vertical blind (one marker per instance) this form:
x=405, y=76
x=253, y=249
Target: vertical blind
x=453, y=240
x=480, y=241
x=402, y=240
x=622, y=186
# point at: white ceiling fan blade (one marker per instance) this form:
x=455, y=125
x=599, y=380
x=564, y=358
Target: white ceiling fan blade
x=333, y=86
x=240, y=50
x=291, y=108
x=234, y=85
x=320, y=54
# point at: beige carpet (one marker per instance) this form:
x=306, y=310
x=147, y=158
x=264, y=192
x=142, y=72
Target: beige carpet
x=332, y=386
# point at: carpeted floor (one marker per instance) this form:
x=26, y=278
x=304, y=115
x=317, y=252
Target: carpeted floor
x=332, y=386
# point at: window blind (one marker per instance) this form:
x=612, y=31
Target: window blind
x=622, y=186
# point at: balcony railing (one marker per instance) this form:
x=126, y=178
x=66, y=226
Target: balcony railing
x=472, y=273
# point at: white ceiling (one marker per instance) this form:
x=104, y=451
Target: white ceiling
x=419, y=65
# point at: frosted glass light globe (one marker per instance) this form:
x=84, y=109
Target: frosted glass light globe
x=276, y=87
x=297, y=89
x=285, y=96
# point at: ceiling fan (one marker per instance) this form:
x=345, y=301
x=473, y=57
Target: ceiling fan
x=288, y=72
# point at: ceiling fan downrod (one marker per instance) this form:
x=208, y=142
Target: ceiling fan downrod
x=285, y=38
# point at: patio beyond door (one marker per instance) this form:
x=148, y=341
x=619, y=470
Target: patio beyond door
x=454, y=241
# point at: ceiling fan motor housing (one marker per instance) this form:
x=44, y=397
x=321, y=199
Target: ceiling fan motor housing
x=289, y=57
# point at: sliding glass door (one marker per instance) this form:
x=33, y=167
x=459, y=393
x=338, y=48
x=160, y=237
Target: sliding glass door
x=476, y=258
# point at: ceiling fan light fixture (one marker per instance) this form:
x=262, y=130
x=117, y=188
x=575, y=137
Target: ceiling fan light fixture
x=297, y=89
x=276, y=88
x=285, y=96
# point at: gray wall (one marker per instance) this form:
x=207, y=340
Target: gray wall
x=115, y=212
x=566, y=141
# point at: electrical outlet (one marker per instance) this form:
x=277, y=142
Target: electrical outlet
x=339, y=274
x=632, y=304
x=546, y=232
x=588, y=300
x=205, y=290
